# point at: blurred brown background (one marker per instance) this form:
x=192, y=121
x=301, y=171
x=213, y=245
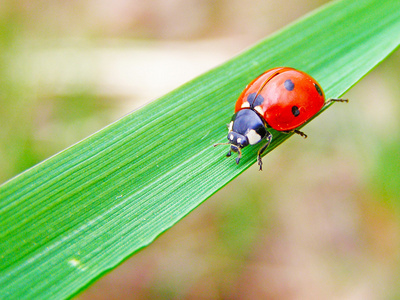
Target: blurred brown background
x=329, y=227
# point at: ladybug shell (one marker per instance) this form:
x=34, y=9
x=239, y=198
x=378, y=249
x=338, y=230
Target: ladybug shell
x=286, y=98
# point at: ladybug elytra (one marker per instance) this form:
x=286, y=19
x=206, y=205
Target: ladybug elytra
x=281, y=98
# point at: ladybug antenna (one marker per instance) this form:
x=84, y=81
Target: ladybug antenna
x=218, y=144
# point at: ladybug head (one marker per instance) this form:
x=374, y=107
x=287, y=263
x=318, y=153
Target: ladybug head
x=237, y=140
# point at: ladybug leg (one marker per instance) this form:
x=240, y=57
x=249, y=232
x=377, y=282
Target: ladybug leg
x=239, y=156
x=262, y=149
x=301, y=133
x=335, y=100
x=229, y=153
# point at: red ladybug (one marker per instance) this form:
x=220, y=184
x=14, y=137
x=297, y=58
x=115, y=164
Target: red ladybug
x=281, y=98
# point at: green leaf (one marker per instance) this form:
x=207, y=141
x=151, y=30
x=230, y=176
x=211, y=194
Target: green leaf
x=75, y=216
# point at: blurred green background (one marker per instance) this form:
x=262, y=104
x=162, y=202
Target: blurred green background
x=329, y=227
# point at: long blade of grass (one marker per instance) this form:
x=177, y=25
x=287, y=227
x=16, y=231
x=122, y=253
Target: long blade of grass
x=73, y=217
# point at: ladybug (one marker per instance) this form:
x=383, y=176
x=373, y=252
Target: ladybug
x=281, y=98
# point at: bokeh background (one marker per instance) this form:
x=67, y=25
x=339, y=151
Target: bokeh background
x=321, y=221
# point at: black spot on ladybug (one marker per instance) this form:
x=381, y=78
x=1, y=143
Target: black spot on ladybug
x=295, y=111
x=289, y=85
x=318, y=89
x=253, y=103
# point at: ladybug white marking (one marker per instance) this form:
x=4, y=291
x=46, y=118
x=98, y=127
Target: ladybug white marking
x=253, y=137
x=231, y=137
x=259, y=110
x=245, y=105
x=230, y=126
